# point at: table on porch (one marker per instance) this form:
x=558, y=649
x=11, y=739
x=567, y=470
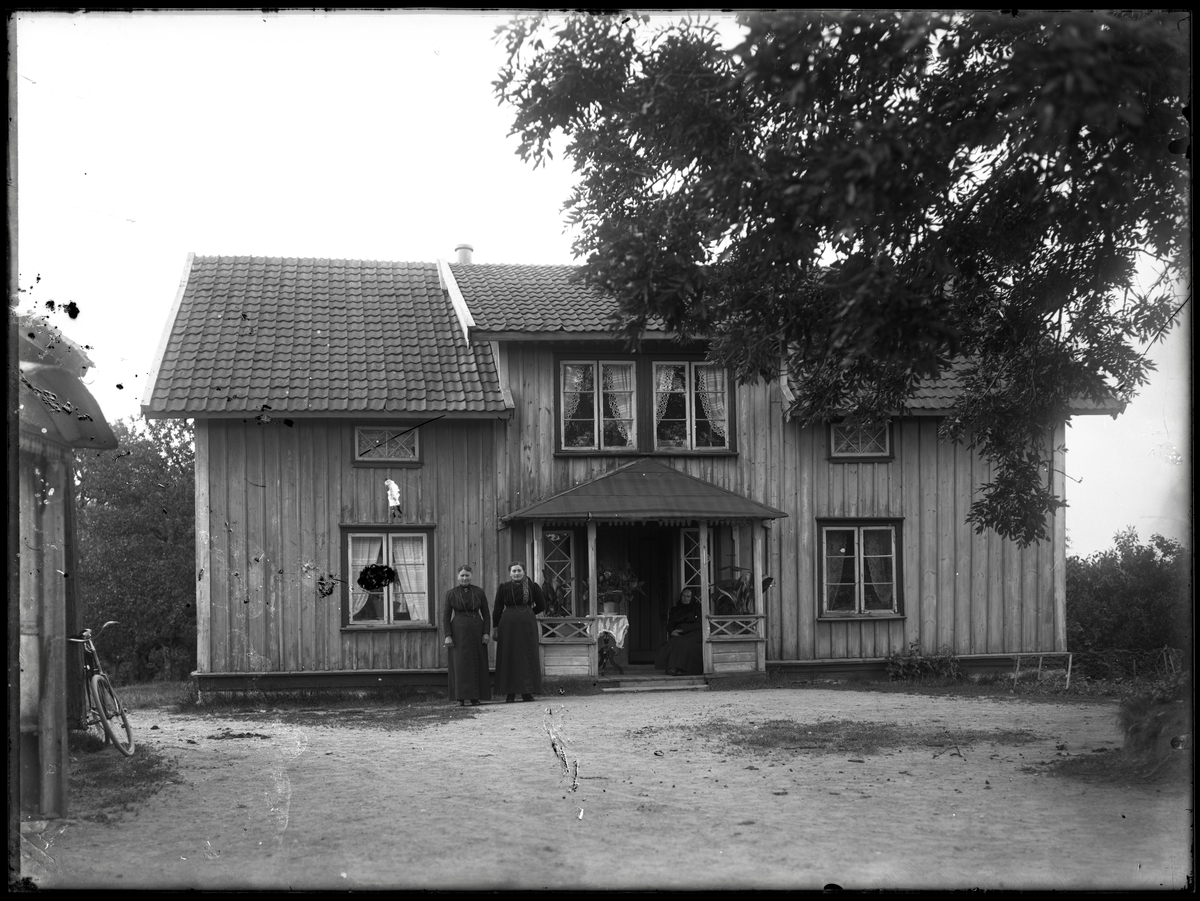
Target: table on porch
x=616, y=625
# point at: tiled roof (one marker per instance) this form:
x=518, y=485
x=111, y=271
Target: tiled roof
x=941, y=394
x=515, y=298
x=647, y=489
x=318, y=336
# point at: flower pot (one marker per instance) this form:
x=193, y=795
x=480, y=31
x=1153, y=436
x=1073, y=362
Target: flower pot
x=609, y=607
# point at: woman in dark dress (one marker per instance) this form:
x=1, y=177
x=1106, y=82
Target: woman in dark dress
x=465, y=619
x=682, y=654
x=515, y=630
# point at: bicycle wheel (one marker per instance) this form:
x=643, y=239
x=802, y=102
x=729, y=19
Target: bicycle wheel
x=112, y=715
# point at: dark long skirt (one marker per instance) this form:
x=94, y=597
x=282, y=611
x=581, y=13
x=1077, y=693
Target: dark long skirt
x=684, y=653
x=518, y=664
x=468, y=660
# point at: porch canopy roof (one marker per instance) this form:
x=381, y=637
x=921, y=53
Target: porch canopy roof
x=646, y=490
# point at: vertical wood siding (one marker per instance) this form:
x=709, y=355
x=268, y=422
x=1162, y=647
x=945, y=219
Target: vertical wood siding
x=277, y=496
x=269, y=518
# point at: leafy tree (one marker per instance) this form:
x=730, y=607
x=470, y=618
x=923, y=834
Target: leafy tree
x=1134, y=596
x=137, y=549
x=868, y=198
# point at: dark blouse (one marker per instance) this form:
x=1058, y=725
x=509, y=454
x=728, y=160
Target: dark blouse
x=511, y=594
x=464, y=601
x=683, y=614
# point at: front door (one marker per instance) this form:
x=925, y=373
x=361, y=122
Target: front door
x=651, y=556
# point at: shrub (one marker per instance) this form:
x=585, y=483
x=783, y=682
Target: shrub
x=917, y=665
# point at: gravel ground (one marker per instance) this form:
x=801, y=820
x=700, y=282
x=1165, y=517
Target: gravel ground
x=629, y=791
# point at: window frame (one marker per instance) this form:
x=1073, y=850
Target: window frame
x=598, y=418
x=387, y=533
x=858, y=524
x=408, y=426
x=835, y=457
x=645, y=438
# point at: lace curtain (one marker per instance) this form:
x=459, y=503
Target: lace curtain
x=409, y=594
x=710, y=388
x=364, y=550
x=618, y=397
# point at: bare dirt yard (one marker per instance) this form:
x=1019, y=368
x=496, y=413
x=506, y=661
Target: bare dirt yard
x=633, y=791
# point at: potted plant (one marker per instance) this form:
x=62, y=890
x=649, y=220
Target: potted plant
x=617, y=587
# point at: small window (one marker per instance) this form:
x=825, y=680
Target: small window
x=690, y=406
x=850, y=442
x=386, y=444
x=405, y=600
x=859, y=569
x=598, y=406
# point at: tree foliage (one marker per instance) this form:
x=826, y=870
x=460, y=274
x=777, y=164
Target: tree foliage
x=1135, y=596
x=137, y=549
x=866, y=199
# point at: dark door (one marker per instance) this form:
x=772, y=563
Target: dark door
x=650, y=554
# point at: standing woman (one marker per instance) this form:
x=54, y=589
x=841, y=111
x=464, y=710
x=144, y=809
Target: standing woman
x=515, y=629
x=465, y=621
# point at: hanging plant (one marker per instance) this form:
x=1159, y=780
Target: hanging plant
x=376, y=577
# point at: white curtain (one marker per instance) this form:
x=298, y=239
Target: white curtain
x=575, y=382
x=665, y=376
x=408, y=559
x=364, y=550
x=618, y=391
x=877, y=569
x=710, y=386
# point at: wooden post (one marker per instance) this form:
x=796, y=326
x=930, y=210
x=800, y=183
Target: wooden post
x=756, y=541
x=593, y=587
x=705, y=588
x=536, y=558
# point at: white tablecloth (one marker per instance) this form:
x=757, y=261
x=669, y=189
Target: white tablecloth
x=616, y=624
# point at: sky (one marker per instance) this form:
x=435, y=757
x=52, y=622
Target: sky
x=145, y=136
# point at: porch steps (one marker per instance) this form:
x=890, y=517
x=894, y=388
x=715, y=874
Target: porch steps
x=675, y=683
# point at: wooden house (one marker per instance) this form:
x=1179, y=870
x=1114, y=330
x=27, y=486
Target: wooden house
x=57, y=417
x=514, y=427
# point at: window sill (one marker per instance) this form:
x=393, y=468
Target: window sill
x=842, y=617
x=635, y=452
x=387, y=464
x=389, y=627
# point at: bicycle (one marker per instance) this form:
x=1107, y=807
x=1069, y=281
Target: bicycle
x=104, y=708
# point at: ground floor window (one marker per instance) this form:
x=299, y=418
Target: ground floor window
x=860, y=568
x=402, y=559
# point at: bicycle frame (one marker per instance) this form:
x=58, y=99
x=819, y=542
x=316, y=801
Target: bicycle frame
x=104, y=708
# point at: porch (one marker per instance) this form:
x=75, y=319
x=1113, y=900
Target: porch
x=613, y=554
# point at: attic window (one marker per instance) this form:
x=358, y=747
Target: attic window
x=860, y=443
x=386, y=444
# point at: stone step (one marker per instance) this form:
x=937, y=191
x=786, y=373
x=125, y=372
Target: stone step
x=673, y=685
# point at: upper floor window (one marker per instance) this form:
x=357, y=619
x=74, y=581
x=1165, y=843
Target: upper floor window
x=860, y=568
x=405, y=599
x=690, y=406
x=386, y=444
x=866, y=443
x=598, y=405
x=638, y=405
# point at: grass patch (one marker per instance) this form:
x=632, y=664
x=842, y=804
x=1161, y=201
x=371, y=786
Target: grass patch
x=850, y=737
x=143, y=695
x=102, y=784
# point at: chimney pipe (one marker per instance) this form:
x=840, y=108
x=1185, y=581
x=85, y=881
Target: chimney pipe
x=463, y=253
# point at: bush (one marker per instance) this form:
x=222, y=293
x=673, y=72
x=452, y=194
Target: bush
x=1135, y=596
x=916, y=665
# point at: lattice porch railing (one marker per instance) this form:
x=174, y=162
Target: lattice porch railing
x=741, y=626
x=567, y=628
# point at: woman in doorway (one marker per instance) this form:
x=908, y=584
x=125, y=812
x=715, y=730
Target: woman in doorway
x=465, y=616
x=515, y=631
x=682, y=654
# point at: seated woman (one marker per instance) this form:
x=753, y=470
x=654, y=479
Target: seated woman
x=682, y=653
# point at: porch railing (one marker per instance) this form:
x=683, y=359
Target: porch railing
x=572, y=629
x=743, y=625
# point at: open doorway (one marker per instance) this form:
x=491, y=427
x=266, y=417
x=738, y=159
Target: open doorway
x=649, y=551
